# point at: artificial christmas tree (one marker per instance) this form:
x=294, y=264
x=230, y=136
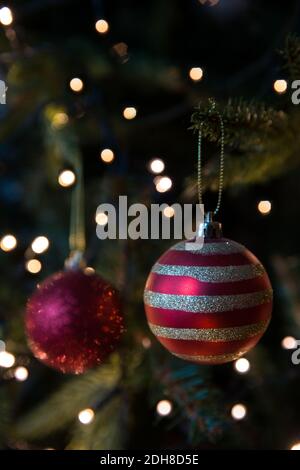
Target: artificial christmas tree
x=114, y=84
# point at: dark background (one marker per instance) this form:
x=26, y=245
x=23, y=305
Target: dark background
x=237, y=44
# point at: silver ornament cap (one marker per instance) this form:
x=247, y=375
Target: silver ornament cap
x=210, y=228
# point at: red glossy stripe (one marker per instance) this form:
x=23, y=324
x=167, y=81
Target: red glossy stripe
x=206, y=348
x=185, y=285
x=187, y=258
x=180, y=319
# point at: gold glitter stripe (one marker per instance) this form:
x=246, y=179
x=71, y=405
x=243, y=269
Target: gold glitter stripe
x=212, y=273
x=235, y=333
x=219, y=248
x=207, y=303
x=219, y=358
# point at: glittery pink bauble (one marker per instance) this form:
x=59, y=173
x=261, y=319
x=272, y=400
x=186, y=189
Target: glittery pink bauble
x=73, y=321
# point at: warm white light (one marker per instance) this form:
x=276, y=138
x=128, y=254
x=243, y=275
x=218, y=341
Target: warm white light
x=129, y=113
x=21, y=374
x=66, y=178
x=196, y=73
x=157, y=166
x=296, y=446
x=76, y=84
x=289, y=342
x=107, y=155
x=33, y=266
x=40, y=244
x=146, y=342
x=163, y=184
x=280, y=86
x=86, y=416
x=89, y=270
x=264, y=207
x=8, y=243
x=169, y=212
x=101, y=218
x=238, y=411
x=6, y=359
x=164, y=407
x=6, y=16
x=102, y=26
x=242, y=365
x=59, y=120
x=211, y=3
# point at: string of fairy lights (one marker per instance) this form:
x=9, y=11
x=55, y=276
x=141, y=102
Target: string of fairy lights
x=163, y=183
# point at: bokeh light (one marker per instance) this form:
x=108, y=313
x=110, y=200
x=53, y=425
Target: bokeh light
x=101, y=218
x=156, y=166
x=89, y=270
x=6, y=359
x=60, y=120
x=129, y=113
x=169, y=212
x=289, y=342
x=238, y=411
x=8, y=242
x=66, y=178
x=264, y=207
x=102, y=26
x=107, y=155
x=164, y=407
x=163, y=184
x=76, y=84
x=21, y=373
x=280, y=86
x=242, y=365
x=86, y=416
x=33, y=266
x=196, y=74
x=146, y=342
x=40, y=244
x=6, y=16
x=211, y=3
x=296, y=446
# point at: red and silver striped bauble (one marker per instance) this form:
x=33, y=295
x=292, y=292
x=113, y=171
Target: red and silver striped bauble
x=210, y=305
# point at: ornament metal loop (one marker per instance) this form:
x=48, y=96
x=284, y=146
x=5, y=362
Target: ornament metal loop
x=212, y=110
x=210, y=228
x=75, y=261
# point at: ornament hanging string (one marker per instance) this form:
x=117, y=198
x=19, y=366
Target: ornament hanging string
x=212, y=110
x=77, y=241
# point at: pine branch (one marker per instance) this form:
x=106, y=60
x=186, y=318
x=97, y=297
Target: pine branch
x=241, y=119
x=5, y=413
x=104, y=433
x=61, y=409
x=261, y=143
x=198, y=401
x=61, y=143
x=291, y=57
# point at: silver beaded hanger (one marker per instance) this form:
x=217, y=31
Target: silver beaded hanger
x=212, y=110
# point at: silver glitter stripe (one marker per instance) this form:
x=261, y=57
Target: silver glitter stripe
x=234, y=333
x=211, y=359
x=206, y=303
x=219, y=248
x=212, y=273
